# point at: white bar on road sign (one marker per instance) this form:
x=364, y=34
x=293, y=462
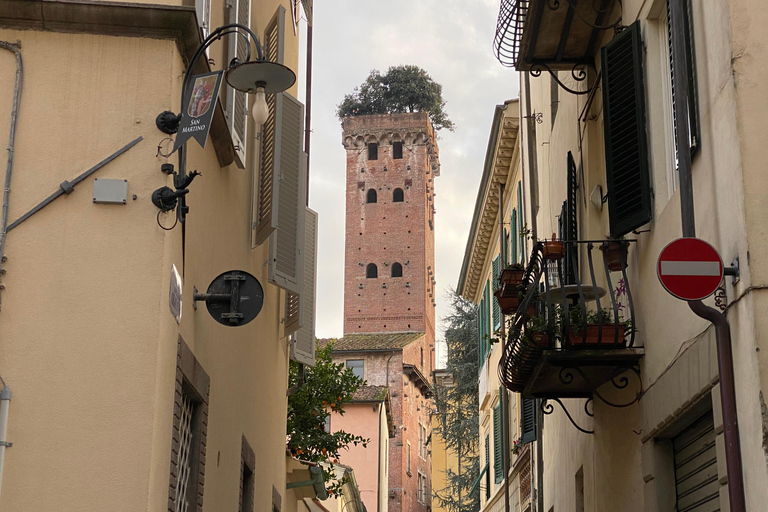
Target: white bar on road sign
x=690, y=268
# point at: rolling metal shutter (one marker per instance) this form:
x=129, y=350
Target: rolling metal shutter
x=696, y=467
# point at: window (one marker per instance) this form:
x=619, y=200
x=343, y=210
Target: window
x=422, y=441
x=397, y=270
x=373, y=151
x=421, y=493
x=397, y=150
x=247, y=478
x=496, y=308
x=357, y=366
x=528, y=420
x=626, y=145
x=408, y=457
x=487, y=466
x=397, y=195
x=371, y=196
x=236, y=112
x=203, y=10
x=190, y=431
x=371, y=272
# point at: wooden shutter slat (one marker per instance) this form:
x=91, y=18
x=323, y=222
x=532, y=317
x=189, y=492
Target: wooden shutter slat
x=528, y=420
x=303, y=346
x=626, y=146
x=498, y=460
x=286, y=241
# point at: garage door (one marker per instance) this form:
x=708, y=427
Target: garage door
x=696, y=467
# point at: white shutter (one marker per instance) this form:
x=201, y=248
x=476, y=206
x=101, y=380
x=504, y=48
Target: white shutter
x=293, y=316
x=237, y=101
x=303, y=344
x=265, y=208
x=203, y=10
x=289, y=198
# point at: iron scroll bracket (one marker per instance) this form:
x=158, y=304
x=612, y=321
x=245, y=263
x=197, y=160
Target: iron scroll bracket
x=548, y=408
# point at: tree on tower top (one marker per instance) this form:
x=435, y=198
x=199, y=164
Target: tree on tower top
x=402, y=89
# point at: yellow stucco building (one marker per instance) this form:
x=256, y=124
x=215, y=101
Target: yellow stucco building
x=118, y=403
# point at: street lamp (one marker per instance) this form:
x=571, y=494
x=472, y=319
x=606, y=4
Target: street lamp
x=260, y=76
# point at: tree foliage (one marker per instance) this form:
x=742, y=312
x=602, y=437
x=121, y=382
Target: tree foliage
x=402, y=89
x=459, y=408
x=327, y=387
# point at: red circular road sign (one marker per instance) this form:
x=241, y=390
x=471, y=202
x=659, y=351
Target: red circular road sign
x=690, y=269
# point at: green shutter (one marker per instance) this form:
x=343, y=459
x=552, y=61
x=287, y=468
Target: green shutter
x=515, y=234
x=626, y=145
x=496, y=307
x=498, y=459
x=487, y=463
x=481, y=334
x=505, y=249
x=528, y=420
x=520, y=216
x=487, y=316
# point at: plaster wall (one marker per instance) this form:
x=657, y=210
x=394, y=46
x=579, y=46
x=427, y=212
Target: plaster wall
x=679, y=366
x=89, y=345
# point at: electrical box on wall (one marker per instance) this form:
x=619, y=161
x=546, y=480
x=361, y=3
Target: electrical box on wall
x=110, y=191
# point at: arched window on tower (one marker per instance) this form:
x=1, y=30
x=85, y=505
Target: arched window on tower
x=371, y=196
x=371, y=271
x=397, y=195
x=397, y=270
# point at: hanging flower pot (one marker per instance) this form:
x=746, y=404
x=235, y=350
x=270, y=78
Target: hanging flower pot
x=615, y=252
x=510, y=304
x=512, y=275
x=552, y=250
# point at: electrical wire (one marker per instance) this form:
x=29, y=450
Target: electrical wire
x=163, y=227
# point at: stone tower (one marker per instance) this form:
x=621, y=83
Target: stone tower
x=389, y=265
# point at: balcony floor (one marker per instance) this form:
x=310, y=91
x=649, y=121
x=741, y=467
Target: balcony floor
x=577, y=373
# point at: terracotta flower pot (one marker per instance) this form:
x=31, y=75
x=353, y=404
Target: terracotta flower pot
x=552, y=250
x=576, y=338
x=512, y=276
x=541, y=339
x=615, y=255
x=510, y=304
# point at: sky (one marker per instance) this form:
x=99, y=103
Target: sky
x=452, y=41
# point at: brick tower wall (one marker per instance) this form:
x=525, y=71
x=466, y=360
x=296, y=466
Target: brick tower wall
x=388, y=232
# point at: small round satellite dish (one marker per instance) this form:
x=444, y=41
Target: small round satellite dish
x=234, y=298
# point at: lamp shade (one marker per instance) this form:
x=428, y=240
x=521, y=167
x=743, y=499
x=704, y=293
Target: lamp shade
x=272, y=76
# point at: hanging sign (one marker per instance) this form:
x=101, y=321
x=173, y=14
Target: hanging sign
x=197, y=114
x=690, y=269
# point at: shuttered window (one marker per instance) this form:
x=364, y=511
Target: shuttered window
x=568, y=226
x=690, y=64
x=487, y=465
x=498, y=452
x=514, y=237
x=626, y=147
x=696, y=482
x=203, y=11
x=237, y=101
x=528, y=420
x=303, y=344
x=495, y=281
x=505, y=249
x=481, y=333
x=484, y=323
x=265, y=213
x=289, y=196
x=520, y=233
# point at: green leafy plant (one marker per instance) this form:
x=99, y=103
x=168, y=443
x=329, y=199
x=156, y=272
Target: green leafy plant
x=402, y=89
x=325, y=388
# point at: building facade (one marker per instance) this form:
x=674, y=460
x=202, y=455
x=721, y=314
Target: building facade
x=125, y=396
x=635, y=113
x=496, y=242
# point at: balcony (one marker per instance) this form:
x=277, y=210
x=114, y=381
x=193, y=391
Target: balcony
x=534, y=35
x=571, y=321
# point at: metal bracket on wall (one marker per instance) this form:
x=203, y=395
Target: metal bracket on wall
x=548, y=408
x=67, y=187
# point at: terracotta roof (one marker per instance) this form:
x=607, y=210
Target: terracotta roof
x=370, y=394
x=378, y=341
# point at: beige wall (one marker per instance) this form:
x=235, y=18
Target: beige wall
x=679, y=366
x=89, y=344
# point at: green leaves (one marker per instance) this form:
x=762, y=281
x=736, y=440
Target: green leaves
x=402, y=89
x=326, y=387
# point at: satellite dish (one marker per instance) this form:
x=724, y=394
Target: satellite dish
x=234, y=298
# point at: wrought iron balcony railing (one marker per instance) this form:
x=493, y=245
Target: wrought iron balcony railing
x=566, y=322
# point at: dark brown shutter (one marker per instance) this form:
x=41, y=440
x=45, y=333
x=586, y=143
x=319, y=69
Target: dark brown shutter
x=528, y=420
x=626, y=146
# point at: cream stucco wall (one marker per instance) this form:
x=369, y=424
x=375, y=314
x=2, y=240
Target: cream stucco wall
x=89, y=344
x=680, y=364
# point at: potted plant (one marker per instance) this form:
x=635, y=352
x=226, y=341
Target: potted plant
x=615, y=252
x=552, y=250
x=537, y=330
x=512, y=275
x=585, y=331
x=516, y=444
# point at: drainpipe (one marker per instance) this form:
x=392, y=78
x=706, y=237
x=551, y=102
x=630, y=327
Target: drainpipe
x=308, y=98
x=503, y=398
x=5, y=402
x=378, y=471
x=16, y=49
x=722, y=328
x=532, y=170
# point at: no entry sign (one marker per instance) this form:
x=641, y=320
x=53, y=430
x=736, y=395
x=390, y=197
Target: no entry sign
x=690, y=269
